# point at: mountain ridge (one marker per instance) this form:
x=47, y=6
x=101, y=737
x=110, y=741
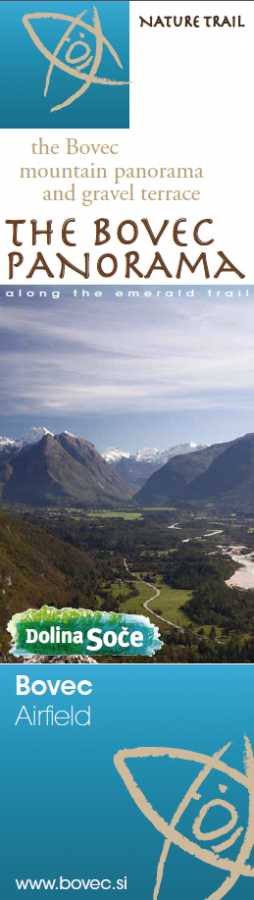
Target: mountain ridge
x=60, y=470
x=220, y=476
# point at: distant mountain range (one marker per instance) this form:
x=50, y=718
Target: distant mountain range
x=220, y=476
x=42, y=469
x=136, y=468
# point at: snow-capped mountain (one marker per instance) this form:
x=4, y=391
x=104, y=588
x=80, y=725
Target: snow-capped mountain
x=6, y=443
x=137, y=467
x=113, y=455
x=153, y=455
x=30, y=437
x=179, y=450
x=150, y=454
x=147, y=454
x=55, y=470
x=126, y=472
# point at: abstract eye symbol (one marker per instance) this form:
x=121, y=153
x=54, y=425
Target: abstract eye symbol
x=172, y=835
x=74, y=64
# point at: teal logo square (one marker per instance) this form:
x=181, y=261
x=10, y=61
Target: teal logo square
x=65, y=64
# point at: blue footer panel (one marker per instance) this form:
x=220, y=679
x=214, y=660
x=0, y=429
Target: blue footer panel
x=127, y=778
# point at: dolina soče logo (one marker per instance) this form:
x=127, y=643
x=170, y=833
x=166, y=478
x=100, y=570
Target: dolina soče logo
x=86, y=81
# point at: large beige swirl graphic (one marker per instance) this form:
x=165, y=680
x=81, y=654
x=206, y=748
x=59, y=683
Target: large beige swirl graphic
x=74, y=64
x=172, y=835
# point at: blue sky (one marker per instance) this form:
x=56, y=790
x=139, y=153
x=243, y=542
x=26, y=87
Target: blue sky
x=128, y=371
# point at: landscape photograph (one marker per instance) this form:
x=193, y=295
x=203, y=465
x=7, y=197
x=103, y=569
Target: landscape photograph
x=127, y=463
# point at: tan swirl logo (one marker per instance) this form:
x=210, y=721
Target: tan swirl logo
x=172, y=835
x=76, y=61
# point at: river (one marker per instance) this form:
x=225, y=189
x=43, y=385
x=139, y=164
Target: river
x=243, y=577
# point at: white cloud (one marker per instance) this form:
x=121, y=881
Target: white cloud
x=90, y=356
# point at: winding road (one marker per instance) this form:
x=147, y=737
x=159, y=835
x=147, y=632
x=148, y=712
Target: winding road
x=154, y=596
